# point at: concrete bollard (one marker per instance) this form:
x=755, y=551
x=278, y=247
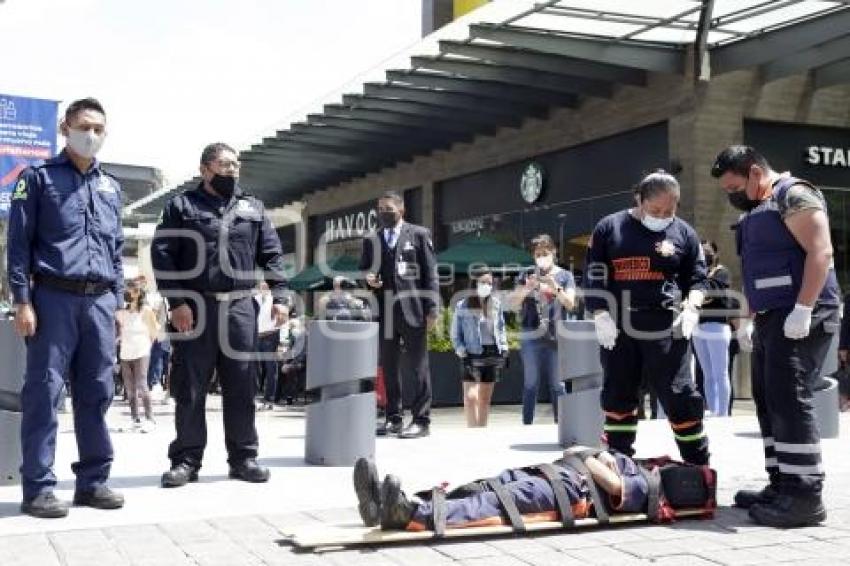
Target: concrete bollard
x=825, y=399
x=340, y=426
x=580, y=417
x=13, y=355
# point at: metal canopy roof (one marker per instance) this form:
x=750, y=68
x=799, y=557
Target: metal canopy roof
x=514, y=59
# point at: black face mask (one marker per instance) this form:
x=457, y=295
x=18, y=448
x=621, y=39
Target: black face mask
x=388, y=219
x=224, y=185
x=709, y=259
x=741, y=201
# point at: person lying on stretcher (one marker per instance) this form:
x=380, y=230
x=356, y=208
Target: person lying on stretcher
x=547, y=492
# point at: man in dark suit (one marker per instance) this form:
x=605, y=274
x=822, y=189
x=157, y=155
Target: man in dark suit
x=401, y=269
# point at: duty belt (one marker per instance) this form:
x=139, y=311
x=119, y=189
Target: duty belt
x=230, y=295
x=75, y=286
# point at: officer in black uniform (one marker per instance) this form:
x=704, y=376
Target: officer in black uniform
x=402, y=272
x=213, y=289
x=642, y=263
x=790, y=284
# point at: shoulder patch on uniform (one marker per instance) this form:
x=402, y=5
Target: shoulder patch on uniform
x=105, y=185
x=20, y=190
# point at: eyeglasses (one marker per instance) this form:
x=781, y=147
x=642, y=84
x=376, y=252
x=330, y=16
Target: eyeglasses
x=222, y=164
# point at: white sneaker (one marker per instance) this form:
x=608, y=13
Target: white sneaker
x=137, y=425
x=149, y=425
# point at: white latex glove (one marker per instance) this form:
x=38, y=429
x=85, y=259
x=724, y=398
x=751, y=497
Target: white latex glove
x=745, y=336
x=687, y=320
x=798, y=322
x=606, y=330
x=461, y=352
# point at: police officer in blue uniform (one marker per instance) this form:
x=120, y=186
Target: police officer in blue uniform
x=790, y=284
x=205, y=254
x=645, y=281
x=65, y=272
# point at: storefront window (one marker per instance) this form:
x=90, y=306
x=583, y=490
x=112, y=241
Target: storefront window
x=838, y=203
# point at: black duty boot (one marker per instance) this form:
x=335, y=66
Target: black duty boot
x=389, y=428
x=100, y=497
x=396, y=510
x=746, y=498
x=45, y=505
x=179, y=475
x=250, y=471
x=368, y=489
x=788, y=511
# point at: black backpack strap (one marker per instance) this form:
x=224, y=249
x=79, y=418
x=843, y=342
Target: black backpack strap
x=438, y=509
x=598, y=504
x=562, y=498
x=507, y=503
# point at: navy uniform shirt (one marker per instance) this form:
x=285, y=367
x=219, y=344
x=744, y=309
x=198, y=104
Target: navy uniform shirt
x=235, y=238
x=657, y=269
x=66, y=224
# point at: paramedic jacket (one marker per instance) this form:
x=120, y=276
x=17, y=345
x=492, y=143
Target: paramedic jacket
x=656, y=270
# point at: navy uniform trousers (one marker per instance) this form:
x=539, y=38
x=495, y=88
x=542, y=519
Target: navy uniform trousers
x=784, y=374
x=226, y=344
x=666, y=361
x=75, y=336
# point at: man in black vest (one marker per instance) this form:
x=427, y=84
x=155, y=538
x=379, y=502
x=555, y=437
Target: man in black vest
x=792, y=291
x=401, y=269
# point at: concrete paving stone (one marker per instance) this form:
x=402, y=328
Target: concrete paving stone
x=518, y=546
x=550, y=558
x=617, y=535
x=414, y=554
x=735, y=557
x=664, y=532
x=655, y=548
x=748, y=539
x=820, y=548
x=209, y=552
x=185, y=532
x=245, y=528
x=603, y=556
x=337, y=515
x=95, y=559
x=493, y=561
x=782, y=553
x=466, y=550
x=282, y=522
x=682, y=560
x=823, y=532
x=358, y=556
x=568, y=541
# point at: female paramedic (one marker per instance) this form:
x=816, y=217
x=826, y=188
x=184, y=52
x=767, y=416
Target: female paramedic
x=645, y=278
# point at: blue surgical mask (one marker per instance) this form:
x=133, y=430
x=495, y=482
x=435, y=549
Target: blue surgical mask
x=656, y=224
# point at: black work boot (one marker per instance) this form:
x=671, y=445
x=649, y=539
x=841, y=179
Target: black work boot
x=249, y=470
x=396, y=510
x=790, y=510
x=179, y=475
x=368, y=490
x=746, y=498
x=100, y=497
x=45, y=505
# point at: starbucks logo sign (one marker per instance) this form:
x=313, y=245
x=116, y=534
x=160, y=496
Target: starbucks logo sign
x=531, y=184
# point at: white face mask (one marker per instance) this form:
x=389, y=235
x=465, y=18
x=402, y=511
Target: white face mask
x=656, y=224
x=85, y=143
x=484, y=290
x=545, y=262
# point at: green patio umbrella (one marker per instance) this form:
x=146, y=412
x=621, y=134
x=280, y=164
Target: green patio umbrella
x=313, y=279
x=479, y=251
